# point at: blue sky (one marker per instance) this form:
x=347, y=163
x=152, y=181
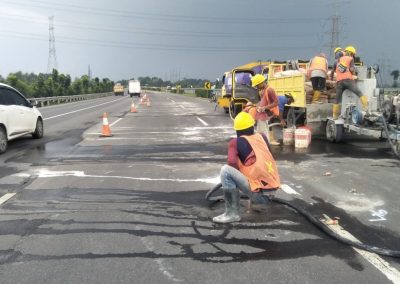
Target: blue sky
x=188, y=38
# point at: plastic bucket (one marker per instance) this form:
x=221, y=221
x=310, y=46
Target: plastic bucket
x=302, y=138
x=288, y=136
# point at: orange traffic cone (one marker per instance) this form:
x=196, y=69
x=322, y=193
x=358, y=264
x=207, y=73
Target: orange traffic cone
x=133, y=108
x=148, y=103
x=106, y=131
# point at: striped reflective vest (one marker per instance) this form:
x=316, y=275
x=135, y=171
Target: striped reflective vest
x=263, y=173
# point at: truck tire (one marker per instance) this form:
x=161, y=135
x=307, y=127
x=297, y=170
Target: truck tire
x=334, y=132
x=3, y=140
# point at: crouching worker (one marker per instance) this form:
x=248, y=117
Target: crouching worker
x=250, y=169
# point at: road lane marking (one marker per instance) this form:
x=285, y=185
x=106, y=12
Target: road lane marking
x=390, y=272
x=115, y=122
x=45, y=173
x=78, y=110
x=202, y=121
x=6, y=197
x=286, y=188
x=181, y=106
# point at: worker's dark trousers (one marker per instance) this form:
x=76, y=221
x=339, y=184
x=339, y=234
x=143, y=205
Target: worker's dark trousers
x=346, y=85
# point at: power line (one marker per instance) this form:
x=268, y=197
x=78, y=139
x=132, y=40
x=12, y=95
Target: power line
x=52, y=61
x=163, y=32
x=154, y=16
x=149, y=46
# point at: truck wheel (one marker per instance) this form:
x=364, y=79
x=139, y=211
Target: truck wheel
x=3, y=140
x=334, y=132
x=38, y=130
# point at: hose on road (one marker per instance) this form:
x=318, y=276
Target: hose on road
x=315, y=221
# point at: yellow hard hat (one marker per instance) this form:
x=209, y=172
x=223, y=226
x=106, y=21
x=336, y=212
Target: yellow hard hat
x=243, y=121
x=337, y=49
x=350, y=49
x=257, y=80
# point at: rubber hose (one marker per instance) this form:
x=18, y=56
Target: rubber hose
x=316, y=222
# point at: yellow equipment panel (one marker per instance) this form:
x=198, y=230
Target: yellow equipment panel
x=293, y=85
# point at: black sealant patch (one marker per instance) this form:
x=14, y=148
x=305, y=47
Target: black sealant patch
x=161, y=214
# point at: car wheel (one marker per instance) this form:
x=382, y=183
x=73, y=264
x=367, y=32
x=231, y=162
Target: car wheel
x=3, y=140
x=38, y=130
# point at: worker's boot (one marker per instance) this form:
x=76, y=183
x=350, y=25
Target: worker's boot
x=336, y=111
x=271, y=138
x=364, y=102
x=232, y=207
x=316, y=96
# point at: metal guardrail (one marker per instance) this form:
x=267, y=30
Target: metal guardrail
x=41, y=102
x=391, y=91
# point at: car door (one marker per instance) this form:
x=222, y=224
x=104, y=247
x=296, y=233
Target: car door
x=15, y=112
x=27, y=115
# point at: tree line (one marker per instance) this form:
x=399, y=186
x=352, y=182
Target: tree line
x=158, y=82
x=56, y=84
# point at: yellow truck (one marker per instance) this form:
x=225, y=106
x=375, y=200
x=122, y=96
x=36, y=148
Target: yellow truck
x=118, y=89
x=242, y=79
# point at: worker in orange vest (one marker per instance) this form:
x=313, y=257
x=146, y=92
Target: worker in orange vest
x=250, y=169
x=267, y=108
x=345, y=70
x=317, y=73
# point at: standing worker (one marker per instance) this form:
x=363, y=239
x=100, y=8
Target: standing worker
x=317, y=74
x=338, y=52
x=345, y=70
x=251, y=169
x=267, y=107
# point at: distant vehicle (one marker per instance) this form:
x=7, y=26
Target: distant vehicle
x=118, y=89
x=134, y=88
x=18, y=116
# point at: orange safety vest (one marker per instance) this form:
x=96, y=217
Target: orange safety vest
x=343, y=68
x=274, y=110
x=252, y=110
x=318, y=63
x=263, y=173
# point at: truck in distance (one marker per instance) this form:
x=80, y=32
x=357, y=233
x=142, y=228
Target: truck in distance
x=134, y=88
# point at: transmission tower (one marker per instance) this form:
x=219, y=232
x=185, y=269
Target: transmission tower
x=52, y=61
x=334, y=33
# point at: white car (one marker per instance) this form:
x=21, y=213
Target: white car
x=18, y=116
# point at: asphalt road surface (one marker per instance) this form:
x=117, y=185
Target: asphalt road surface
x=79, y=208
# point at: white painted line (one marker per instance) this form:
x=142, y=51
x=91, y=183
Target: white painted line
x=202, y=121
x=390, y=272
x=78, y=110
x=45, y=173
x=289, y=190
x=172, y=100
x=115, y=122
x=6, y=197
x=181, y=106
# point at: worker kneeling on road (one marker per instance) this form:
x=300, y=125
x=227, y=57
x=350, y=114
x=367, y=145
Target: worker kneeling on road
x=251, y=169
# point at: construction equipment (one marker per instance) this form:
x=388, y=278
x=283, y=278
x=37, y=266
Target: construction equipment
x=352, y=118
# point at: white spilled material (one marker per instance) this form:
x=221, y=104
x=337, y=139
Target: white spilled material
x=286, y=188
x=6, y=197
x=45, y=173
x=384, y=267
x=202, y=121
x=78, y=110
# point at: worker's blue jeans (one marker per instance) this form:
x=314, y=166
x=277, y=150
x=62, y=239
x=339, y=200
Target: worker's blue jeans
x=233, y=179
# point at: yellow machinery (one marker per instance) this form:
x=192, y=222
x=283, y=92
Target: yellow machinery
x=118, y=89
x=242, y=92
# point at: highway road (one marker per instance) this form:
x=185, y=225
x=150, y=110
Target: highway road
x=79, y=208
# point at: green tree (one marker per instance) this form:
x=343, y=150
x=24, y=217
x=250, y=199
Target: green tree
x=395, y=74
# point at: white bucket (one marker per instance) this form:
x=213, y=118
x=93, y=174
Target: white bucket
x=288, y=136
x=302, y=138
